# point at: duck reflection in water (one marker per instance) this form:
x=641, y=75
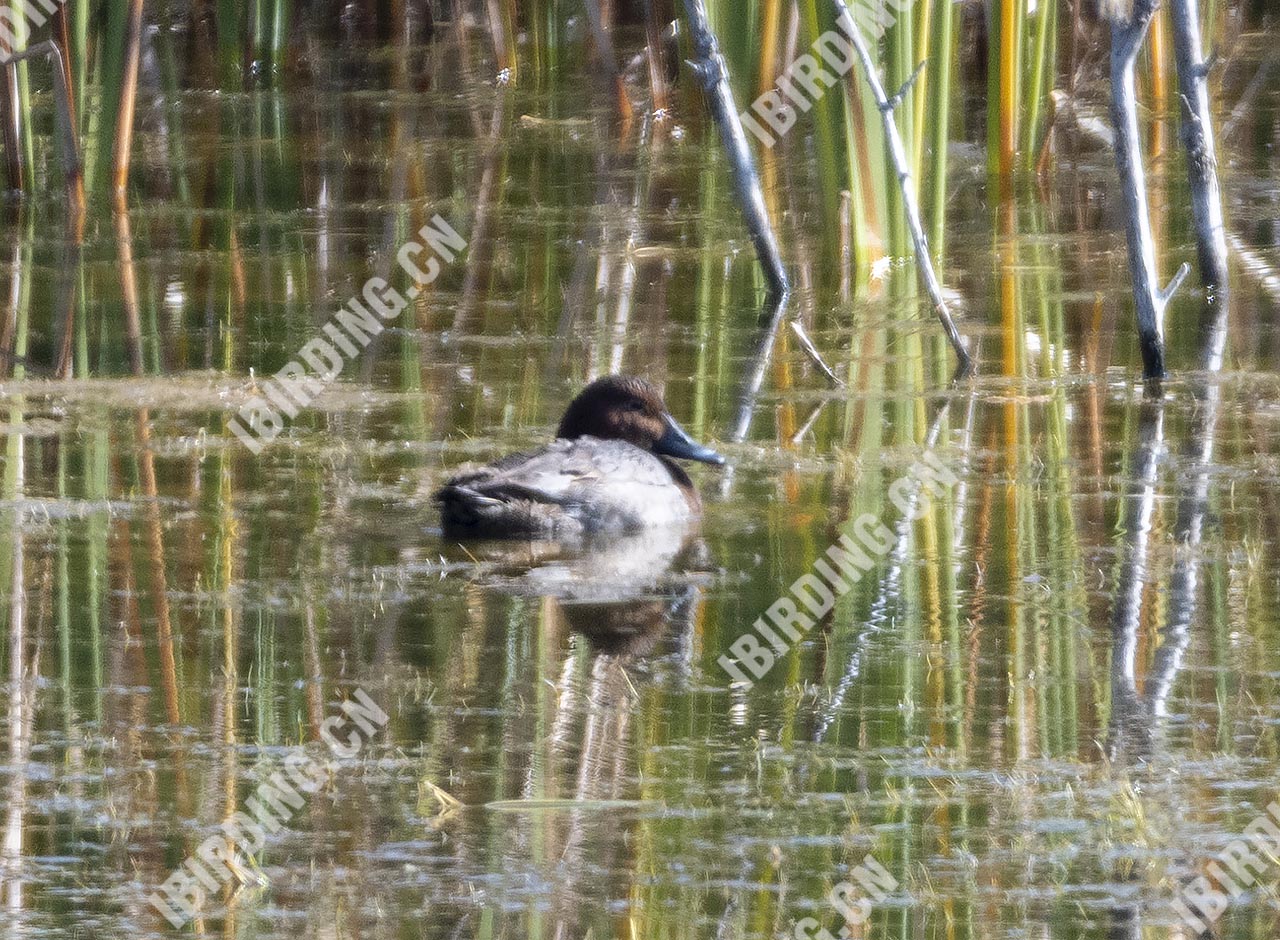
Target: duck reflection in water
x=622, y=593
x=616, y=618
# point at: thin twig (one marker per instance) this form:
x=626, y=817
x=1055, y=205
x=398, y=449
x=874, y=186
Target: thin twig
x=898, y=154
x=892, y=103
x=753, y=380
x=754, y=376
x=809, y=422
x=1247, y=99
x=1175, y=282
x=69, y=144
x=811, y=351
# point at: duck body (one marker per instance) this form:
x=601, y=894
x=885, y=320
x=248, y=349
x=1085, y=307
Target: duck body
x=577, y=487
x=609, y=472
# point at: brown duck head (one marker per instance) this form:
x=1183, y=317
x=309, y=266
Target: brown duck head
x=626, y=408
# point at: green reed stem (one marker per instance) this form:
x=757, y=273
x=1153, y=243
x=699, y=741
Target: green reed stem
x=256, y=41
x=824, y=118
x=925, y=17
x=229, y=50
x=96, y=487
x=1043, y=46
x=79, y=52
x=944, y=49
x=111, y=69
x=865, y=163
x=24, y=106
x=279, y=33
x=898, y=64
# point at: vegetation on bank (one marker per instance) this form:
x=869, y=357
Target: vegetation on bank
x=987, y=71
x=1023, y=79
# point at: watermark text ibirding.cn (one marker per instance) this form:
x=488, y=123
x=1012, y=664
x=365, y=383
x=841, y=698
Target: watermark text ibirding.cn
x=17, y=19
x=833, y=574
x=321, y=359
x=808, y=78
x=1236, y=869
x=853, y=902
x=227, y=854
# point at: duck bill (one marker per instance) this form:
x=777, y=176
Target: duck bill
x=676, y=443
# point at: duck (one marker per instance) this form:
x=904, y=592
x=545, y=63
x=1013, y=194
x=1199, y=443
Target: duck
x=611, y=470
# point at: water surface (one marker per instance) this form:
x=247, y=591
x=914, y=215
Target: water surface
x=1043, y=710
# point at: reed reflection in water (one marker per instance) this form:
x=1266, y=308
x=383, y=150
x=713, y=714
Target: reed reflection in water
x=1050, y=703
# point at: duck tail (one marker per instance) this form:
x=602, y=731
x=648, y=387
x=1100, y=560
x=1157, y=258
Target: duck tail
x=462, y=507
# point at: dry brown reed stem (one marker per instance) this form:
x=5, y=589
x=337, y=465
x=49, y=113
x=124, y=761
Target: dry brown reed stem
x=147, y=476
x=656, y=60
x=478, y=257
x=68, y=292
x=62, y=37
x=501, y=41
x=129, y=290
x=603, y=38
x=1009, y=103
x=9, y=362
x=315, y=674
x=123, y=144
x=155, y=558
x=1158, y=92
x=769, y=41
